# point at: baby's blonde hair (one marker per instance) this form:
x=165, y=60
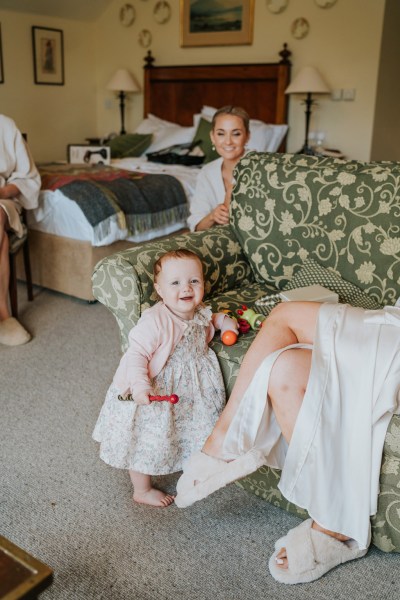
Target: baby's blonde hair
x=181, y=253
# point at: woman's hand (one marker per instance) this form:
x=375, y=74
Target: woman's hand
x=8, y=191
x=220, y=215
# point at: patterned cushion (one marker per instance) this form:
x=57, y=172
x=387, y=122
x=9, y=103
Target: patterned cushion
x=287, y=208
x=312, y=273
x=203, y=134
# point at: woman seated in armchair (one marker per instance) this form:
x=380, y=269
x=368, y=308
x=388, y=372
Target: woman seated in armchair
x=314, y=397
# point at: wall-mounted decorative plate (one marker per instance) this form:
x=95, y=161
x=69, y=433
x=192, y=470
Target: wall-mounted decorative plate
x=162, y=12
x=145, y=38
x=277, y=6
x=325, y=3
x=300, y=28
x=127, y=15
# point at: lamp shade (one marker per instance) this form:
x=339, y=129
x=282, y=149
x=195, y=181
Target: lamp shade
x=308, y=80
x=123, y=81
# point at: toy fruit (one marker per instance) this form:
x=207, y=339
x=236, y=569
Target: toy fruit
x=229, y=337
x=243, y=325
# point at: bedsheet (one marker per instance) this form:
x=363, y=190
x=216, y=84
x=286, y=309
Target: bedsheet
x=60, y=215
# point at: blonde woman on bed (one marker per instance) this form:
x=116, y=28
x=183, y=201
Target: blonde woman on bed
x=210, y=204
x=19, y=188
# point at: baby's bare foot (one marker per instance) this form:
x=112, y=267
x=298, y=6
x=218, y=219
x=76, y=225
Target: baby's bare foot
x=153, y=497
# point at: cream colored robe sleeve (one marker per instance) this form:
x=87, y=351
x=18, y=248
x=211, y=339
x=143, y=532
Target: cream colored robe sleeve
x=17, y=167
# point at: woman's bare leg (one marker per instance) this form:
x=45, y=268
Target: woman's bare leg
x=288, y=323
x=4, y=267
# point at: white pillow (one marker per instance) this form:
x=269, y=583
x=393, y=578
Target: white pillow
x=165, y=133
x=278, y=134
x=264, y=137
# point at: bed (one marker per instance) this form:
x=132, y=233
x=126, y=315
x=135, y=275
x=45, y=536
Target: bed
x=178, y=100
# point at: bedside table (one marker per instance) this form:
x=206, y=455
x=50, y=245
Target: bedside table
x=21, y=575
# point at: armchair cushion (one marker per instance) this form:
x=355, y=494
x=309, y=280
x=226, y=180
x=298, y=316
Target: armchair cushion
x=287, y=208
x=311, y=272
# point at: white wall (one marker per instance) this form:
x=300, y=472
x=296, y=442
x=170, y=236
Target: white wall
x=386, y=134
x=343, y=43
x=51, y=115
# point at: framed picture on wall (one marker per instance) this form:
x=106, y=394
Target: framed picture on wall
x=1, y=60
x=222, y=23
x=48, y=56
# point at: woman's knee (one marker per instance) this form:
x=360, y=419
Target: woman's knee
x=289, y=375
x=299, y=317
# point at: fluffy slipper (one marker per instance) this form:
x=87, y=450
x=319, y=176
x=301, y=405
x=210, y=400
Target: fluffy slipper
x=12, y=333
x=311, y=554
x=203, y=475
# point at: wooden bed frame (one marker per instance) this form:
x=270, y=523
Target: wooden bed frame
x=173, y=93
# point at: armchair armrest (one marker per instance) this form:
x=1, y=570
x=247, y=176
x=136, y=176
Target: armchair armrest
x=123, y=281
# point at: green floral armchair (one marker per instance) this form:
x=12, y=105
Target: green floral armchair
x=294, y=220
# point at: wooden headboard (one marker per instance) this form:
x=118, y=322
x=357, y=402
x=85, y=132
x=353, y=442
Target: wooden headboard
x=176, y=93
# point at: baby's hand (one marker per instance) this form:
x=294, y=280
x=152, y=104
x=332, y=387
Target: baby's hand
x=142, y=398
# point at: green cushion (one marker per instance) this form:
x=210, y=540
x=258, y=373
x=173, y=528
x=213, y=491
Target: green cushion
x=130, y=144
x=203, y=134
x=312, y=273
x=287, y=208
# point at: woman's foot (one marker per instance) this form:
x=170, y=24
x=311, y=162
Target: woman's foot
x=307, y=552
x=12, y=333
x=153, y=497
x=214, y=443
x=281, y=557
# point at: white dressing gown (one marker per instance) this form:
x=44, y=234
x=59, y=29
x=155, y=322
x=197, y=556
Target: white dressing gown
x=17, y=167
x=332, y=465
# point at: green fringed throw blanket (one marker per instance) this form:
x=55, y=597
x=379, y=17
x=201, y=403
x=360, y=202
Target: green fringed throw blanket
x=138, y=201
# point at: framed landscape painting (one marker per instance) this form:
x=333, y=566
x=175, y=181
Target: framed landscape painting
x=48, y=56
x=216, y=22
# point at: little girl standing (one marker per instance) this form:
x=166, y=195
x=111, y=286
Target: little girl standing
x=168, y=354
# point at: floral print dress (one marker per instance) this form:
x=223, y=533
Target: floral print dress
x=156, y=439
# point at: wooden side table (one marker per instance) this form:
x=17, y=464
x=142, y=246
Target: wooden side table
x=21, y=575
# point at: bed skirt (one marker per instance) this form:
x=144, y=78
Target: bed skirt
x=66, y=265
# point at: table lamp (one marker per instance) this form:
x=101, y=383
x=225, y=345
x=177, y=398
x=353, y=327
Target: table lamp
x=123, y=82
x=308, y=81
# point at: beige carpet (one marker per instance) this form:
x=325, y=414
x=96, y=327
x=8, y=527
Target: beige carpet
x=62, y=504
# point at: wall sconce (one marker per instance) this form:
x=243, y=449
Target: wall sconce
x=123, y=82
x=308, y=81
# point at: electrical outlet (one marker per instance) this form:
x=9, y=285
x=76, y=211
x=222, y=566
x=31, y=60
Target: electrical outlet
x=336, y=95
x=349, y=94
x=108, y=103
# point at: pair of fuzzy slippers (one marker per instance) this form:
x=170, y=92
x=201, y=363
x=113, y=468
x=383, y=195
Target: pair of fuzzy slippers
x=310, y=553
x=12, y=333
